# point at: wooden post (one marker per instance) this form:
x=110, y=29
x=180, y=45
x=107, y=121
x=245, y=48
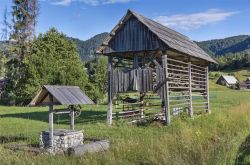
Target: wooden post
x=110, y=86
x=166, y=90
x=190, y=90
x=207, y=91
x=51, y=120
x=72, y=118
x=142, y=105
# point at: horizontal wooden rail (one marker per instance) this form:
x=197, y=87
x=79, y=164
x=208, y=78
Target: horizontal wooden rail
x=179, y=100
x=126, y=112
x=197, y=81
x=202, y=71
x=177, y=66
x=181, y=79
x=179, y=96
x=177, y=70
x=204, y=78
x=179, y=104
x=198, y=74
x=182, y=62
x=199, y=66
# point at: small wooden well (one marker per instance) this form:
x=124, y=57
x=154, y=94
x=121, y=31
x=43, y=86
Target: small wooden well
x=50, y=95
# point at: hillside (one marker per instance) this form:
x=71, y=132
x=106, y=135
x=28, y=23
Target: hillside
x=224, y=46
x=87, y=48
x=216, y=47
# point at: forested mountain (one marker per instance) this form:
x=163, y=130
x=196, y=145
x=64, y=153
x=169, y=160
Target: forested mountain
x=87, y=48
x=228, y=45
x=216, y=47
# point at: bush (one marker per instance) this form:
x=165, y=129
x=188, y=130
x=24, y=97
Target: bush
x=52, y=60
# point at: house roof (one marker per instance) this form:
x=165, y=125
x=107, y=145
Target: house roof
x=230, y=79
x=62, y=95
x=171, y=38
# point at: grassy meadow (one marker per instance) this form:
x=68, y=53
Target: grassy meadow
x=219, y=138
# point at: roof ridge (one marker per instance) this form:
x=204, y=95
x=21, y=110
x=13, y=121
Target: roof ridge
x=166, y=35
x=187, y=41
x=135, y=13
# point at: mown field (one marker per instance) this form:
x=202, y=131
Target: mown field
x=219, y=138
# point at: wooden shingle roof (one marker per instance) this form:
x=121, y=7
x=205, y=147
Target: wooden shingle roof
x=171, y=38
x=62, y=95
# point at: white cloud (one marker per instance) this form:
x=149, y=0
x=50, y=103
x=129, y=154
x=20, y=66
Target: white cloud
x=195, y=20
x=88, y=2
x=116, y=1
x=62, y=2
x=91, y=2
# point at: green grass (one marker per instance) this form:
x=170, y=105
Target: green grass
x=218, y=138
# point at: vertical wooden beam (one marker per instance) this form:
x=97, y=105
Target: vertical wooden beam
x=166, y=89
x=51, y=120
x=72, y=118
x=136, y=65
x=110, y=86
x=207, y=91
x=142, y=105
x=190, y=89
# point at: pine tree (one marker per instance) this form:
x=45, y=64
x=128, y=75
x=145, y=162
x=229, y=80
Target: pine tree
x=24, y=13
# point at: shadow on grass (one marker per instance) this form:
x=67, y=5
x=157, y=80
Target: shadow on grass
x=243, y=152
x=9, y=139
x=87, y=116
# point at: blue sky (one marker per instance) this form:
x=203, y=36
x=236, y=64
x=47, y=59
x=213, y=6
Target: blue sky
x=197, y=19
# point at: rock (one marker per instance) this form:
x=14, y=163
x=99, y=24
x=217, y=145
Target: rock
x=96, y=146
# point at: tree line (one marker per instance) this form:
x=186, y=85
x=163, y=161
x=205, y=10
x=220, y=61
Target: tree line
x=231, y=61
x=29, y=61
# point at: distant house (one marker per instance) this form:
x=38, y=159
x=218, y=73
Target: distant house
x=245, y=84
x=227, y=81
x=248, y=81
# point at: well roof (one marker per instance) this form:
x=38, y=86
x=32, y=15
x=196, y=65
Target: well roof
x=62, y=95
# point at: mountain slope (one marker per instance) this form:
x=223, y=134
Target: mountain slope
x=220, y=47
x=216, y=47
x=87, y=48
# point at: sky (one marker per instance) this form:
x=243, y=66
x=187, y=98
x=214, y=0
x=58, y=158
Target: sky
x=198, y=19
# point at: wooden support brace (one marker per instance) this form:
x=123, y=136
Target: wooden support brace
x=72, y=118
x=160, y=84
x=166, y=90
x=142, y=105
x=51, y=121
x=190, y=90
x=109, y=112
x=207, y=90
